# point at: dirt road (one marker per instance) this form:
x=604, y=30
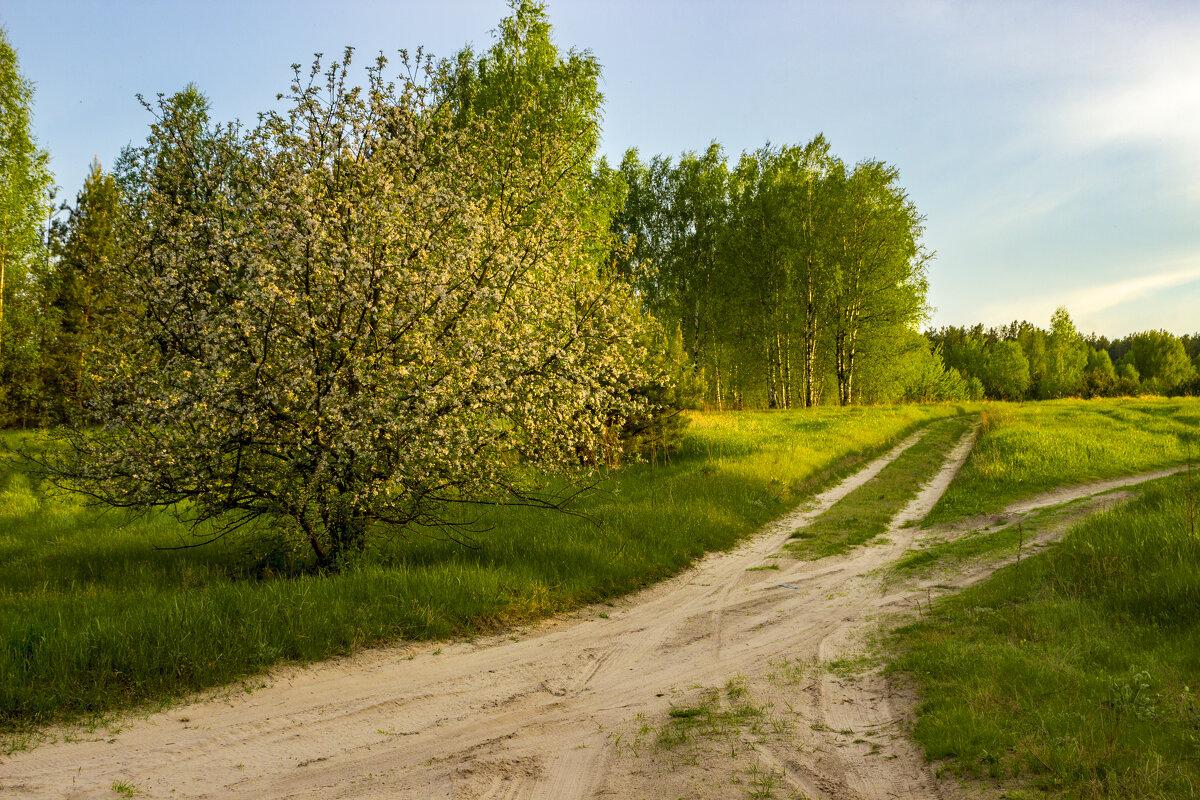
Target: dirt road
x=576, y=708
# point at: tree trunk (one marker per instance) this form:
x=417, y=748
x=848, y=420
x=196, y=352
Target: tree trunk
x=771, y=397
x=809, y=338
x=717, y=381
x=783, y=345
x=847, y=345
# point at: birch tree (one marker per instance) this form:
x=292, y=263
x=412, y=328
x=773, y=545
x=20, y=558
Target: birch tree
x=879, y=281
x=1066, y=357
x=25, y=184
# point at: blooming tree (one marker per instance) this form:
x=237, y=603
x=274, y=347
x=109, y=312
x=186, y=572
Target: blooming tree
x=366, y=309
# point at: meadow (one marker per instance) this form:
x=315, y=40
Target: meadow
x=1027, y=448
x=1070, y=674
x=1074, y=673
x=98, y=614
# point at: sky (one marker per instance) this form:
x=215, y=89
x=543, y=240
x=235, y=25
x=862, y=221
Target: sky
x=1053, y=147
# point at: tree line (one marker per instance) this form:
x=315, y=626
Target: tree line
x=1021, y=361
x=783, y=278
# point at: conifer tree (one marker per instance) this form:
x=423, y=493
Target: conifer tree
x=85, y=298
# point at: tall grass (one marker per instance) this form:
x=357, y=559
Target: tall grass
x=1075, y=673
x=95, y=616
x=1027, y=448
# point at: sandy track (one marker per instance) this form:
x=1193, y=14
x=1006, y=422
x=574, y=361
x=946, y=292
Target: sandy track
x=540, y=715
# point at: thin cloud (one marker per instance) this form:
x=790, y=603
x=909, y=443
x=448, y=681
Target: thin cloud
x=1094, y=300
x=1101, y=298
x=1147, y=97
x=1151, y=92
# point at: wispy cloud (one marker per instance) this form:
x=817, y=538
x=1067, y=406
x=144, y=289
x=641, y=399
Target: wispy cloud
x=1148, y=96
x=1101, y=298
x=1093, y=301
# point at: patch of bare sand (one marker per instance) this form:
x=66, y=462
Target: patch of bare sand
x=570, y=709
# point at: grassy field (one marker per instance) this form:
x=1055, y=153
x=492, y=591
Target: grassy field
x=95, y=616
x=867, y=511
x=1027, y=448
x=1075, y=673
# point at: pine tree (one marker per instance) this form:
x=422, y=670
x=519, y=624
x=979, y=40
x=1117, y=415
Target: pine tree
x=85, y=300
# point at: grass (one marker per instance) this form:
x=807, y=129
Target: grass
x=724, y=741
x=710, y=724
x=1028, y=448
x=96, y=617
x=1008, y=537
x=1075, y=673
x=964, y=548
x=867, y=511
x=708, y=717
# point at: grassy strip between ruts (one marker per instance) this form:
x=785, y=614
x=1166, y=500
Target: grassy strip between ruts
x=867, y=511
x=964, y=548
x=1071, y=674
x=96, y=617
x=1027, y=448
x=1004, y=538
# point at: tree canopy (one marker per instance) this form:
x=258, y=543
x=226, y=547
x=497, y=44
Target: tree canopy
x=787, y=273
x=25, y=184
x=781, y=276
x=382, y=302
x=1022, y=361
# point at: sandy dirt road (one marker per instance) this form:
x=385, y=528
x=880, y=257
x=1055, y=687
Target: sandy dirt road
x=569, y=709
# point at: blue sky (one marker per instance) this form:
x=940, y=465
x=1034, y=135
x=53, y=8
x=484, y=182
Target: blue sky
x=1054, y=147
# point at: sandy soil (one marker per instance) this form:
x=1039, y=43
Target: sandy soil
x=575, y=708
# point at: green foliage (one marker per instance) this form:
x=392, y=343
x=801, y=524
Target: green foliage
x=787, y=272
x=1006, y=372
x=1021, y=361
x=1160, y=357
x=86, y=302
x=670, y=227
x=525, y=80
x=25, y=184
x=917, y=374
x=878, y=262
x=1099, y=361
x=1100, y=376
x=1071, y=673
x=95, y=615
x=1025, y=449
x=379, y=303
x=672, y=388
x=1065, y=358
